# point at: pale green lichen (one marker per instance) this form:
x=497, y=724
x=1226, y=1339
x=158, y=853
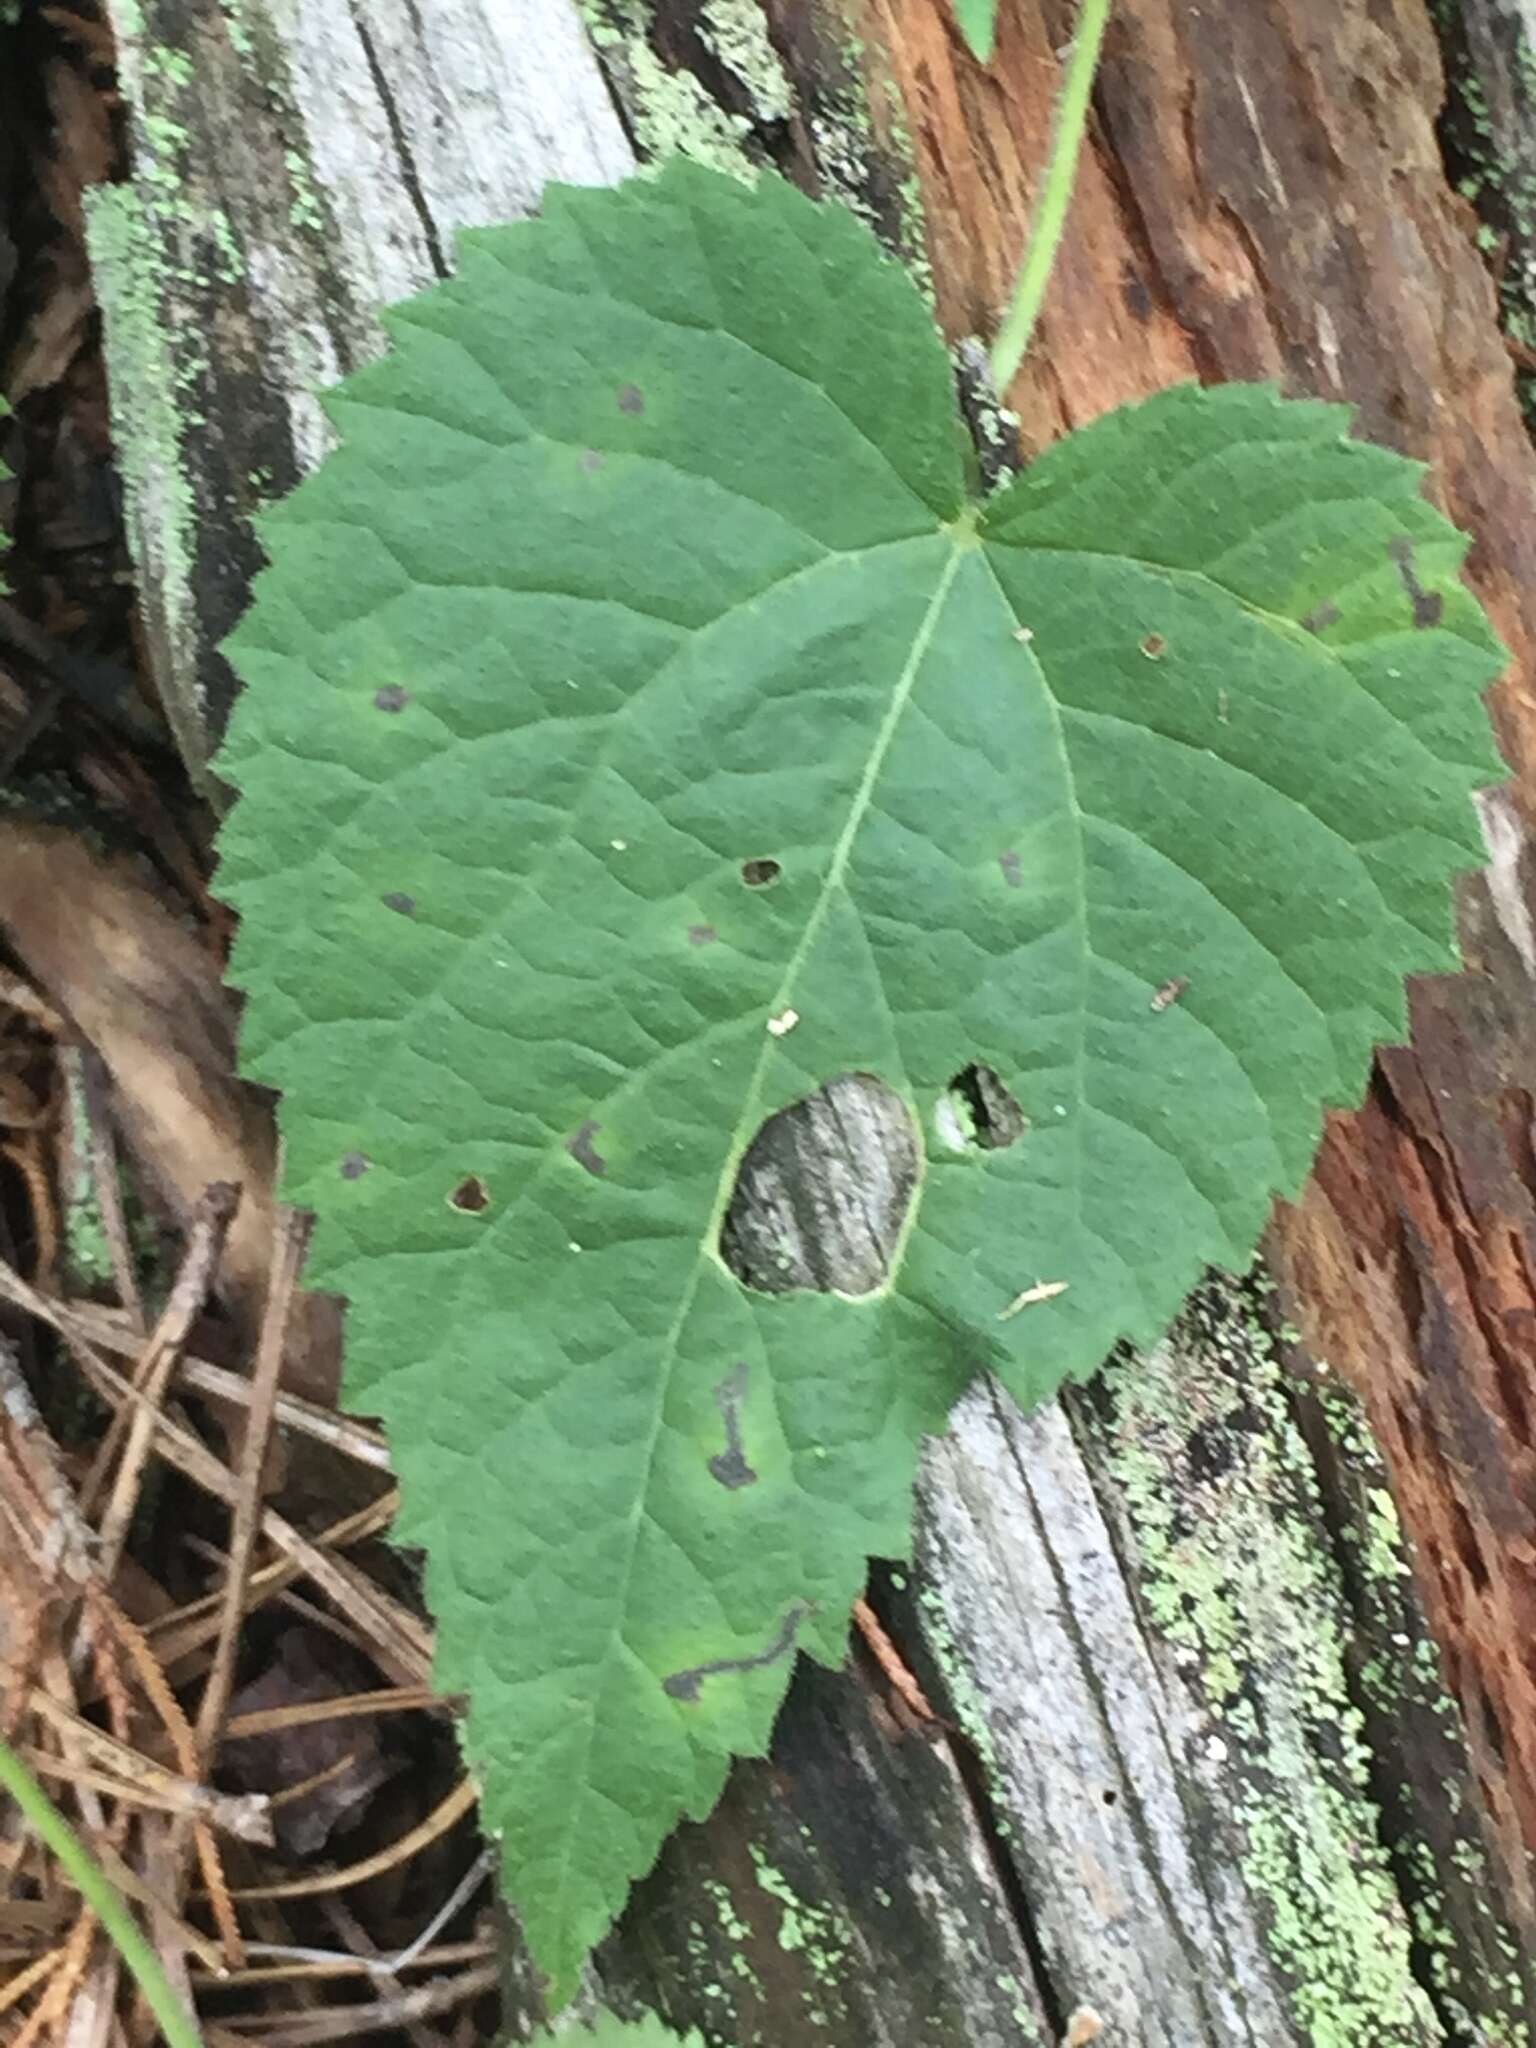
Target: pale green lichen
x=151, y=380
x=90, y=1254
x=736, y=32
x=1236, y=1576
x=1402, y=1679
x=812, y=1932
x=305, y=209
x=1492, y=149
x=669, y=111
x=735, y=1930
x=241, y=40
x=868, y=165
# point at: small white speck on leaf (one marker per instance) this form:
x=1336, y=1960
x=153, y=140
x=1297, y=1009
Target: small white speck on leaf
x=1169, y=993
x=785, y=1021
x=1024, y=635
x=572, y=1245
x=619, y=845
x=1043, y=1290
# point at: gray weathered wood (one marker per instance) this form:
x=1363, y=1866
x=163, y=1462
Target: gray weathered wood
x=298, y=165
x=1142, y=1611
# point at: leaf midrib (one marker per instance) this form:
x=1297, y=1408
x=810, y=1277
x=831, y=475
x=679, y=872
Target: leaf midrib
x=752, y=1111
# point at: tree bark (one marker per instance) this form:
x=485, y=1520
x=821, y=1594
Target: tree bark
x=1197, y=1779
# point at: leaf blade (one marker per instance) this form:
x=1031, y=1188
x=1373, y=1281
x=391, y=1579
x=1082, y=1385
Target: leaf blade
x=633, y=575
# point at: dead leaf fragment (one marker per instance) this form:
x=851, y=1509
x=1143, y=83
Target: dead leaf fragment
x=1043, y=1290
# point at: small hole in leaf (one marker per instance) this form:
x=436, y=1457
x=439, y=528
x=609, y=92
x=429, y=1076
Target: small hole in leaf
x=1154, y=647
x=1111, y=1796
x=355, y=1165
x=392, y=697
x=981, y=1112
x=757, y=874
x=471, y=1196
x=823, y=1191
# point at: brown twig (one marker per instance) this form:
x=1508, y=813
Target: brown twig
x=891, y=1662
x=106, y=1183
x=152, y=1374
x=460, y=1800
x=22, y=997
x=180, y=1634
x=287, y=1263
x=398, y=1699
x=400, y=1643
x=342, y=2023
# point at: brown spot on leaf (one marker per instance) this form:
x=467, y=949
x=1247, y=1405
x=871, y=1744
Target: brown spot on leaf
x=1154, y=647
x=392, y=697
x=1428, y=605
x=397, y=900
x=702, y=935
x=1169, y=993
x=584, y=1152
x=1013, y=872
x=631, y=398
x=687, y=1684
x=730, y=1466
x=757, y=874
x=471, y=1197
x=1321, y=617
x=355, y=1165
x=592, y=460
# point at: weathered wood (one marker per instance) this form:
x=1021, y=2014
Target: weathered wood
x=297, y=165
x=1201, y=1785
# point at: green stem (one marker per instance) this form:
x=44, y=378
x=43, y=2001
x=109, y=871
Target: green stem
x=1055, y=196
x=177, y=2026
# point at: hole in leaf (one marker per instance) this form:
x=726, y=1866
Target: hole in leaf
x=471, y=1197
x=982, y=1113
x=355, y=1165
x=757, y=874
x=1111, y=1796
x=823, y=1191
x=392, y=697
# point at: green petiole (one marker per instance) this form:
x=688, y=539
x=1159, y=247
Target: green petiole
x=1055, y=196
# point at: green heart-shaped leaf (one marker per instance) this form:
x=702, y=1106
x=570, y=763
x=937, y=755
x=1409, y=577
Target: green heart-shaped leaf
x=643, y=729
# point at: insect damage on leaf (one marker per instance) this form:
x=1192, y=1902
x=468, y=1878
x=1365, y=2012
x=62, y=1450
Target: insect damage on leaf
x=744, y=759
